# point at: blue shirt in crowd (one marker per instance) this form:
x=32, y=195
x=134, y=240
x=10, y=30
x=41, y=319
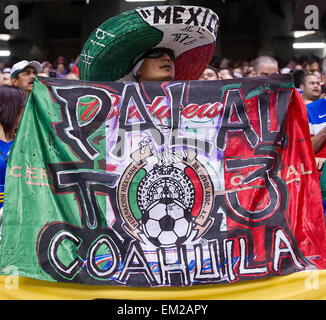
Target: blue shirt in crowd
x=4, y=154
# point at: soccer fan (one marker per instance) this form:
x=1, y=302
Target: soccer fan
x=23, y=74
x=265, y=66
x=210, y=73
x=150, y=49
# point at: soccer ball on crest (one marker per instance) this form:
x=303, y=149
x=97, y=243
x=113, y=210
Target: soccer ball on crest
x=167, y=223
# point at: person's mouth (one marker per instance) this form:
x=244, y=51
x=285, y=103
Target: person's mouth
x=166, y=67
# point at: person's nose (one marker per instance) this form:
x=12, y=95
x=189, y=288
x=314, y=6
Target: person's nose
x=166, y=57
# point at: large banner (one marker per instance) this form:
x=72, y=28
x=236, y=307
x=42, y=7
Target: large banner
x=162, y=184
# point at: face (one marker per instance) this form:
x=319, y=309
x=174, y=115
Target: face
x=25, y=79
x=60, y=68
x=237, y=70
x=224, y=63
x=250, y=72
x=46, y=70
x=314, y=67
x=311, y=88
x=157, y=69
x=266, y=69
x=208, y=74
x=224, y=74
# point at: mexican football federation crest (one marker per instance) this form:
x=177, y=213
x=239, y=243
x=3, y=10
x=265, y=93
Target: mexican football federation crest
x=165, y=199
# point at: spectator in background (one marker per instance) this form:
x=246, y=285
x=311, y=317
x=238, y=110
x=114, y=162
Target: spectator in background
x=57, y=61
x=303, y=61
x=6, y=77
x=265, y=66
x=47, y=68
x=292, y=63
x=245, y=67
x=225, y=73
x=316, y=108
x=61, y=72
x=210, y=73
x=237, y=72
x=23, y=74
x=73, y=67
x=311, y=89
x=298, y=67
x=249, y=73
x=298, y=76
x=226, y=63
x=12, y=102
x=290, y=66
x=215, y=62
x=45, y=72
x=312, y=64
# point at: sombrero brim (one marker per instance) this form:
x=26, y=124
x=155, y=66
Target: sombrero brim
x=111, y=50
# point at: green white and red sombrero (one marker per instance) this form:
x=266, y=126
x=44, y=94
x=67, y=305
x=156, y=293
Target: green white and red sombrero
x=111, y=50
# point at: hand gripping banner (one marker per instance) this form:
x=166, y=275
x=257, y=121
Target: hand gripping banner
x=162, y=184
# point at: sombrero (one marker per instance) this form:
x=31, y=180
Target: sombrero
x=111, y=50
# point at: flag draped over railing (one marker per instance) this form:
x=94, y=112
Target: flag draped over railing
x=162, y=184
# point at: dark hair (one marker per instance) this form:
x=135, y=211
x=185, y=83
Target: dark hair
x=12, y=102
x=298, y=77
x=213, y=69
x=247, y=74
